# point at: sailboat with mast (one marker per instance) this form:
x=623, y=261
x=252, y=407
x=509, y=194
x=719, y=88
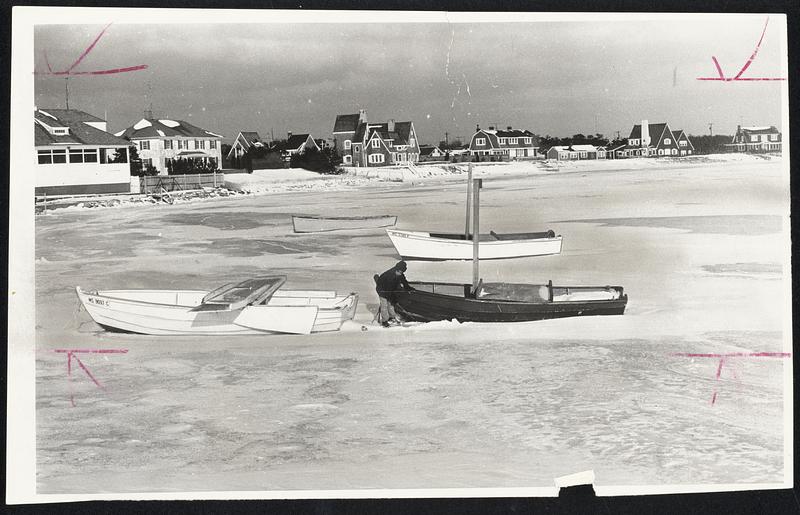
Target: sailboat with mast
x=503, y=302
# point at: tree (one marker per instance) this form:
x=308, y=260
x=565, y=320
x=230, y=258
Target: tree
x=707, y=144
x=314, y=160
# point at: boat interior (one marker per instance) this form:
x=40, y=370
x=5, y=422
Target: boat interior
x=517, y=292
x=493, y=236
x=194, y=298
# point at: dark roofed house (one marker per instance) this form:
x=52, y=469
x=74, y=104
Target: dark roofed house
x=510, y=143
x=75, y=154
x=756, y=139
x=430, y=153
x=243, y=142
x=650, y=140
x=162, y=141
x=361, y=143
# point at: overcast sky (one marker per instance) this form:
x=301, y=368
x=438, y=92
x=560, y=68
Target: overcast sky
x=557, y=78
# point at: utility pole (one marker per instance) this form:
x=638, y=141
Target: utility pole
x=445, y=139
x=711, y=129
x=66, y=91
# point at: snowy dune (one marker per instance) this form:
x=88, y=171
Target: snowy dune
x=699, y=248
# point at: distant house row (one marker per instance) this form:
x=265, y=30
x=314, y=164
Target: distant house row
x=652, y=140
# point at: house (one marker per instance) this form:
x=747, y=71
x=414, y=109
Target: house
x=651, y=140
x=684, y=144
x=576, y=152
x=755, y=139
x=76, y=155
x=361, y=143
x=430, y=153
x=162, y=142
x=297, y=144
x=243, y=142
x=561, y=153
x=510, y=143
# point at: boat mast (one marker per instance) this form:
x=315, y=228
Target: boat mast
x=469, y=199
x=476, y=200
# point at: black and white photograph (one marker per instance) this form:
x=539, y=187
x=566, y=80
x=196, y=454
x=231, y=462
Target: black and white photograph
x=303, y=254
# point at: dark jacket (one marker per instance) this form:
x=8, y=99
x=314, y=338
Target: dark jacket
x=389, y=282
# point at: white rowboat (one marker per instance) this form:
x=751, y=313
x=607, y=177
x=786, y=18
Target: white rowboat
x=447, y=246
x=340, y=223
x=182, y=312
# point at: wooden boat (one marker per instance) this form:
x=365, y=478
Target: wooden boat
x=452, y=246
x=339, y=223
x=506, y=302
x=256, y=306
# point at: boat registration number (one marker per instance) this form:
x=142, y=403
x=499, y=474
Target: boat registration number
x=98, y=302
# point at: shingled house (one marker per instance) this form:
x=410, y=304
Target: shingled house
x=755, y=139
x=510, y=143
x=653, y=140
x=160, y=141
x=361, y=143
x=75, y=154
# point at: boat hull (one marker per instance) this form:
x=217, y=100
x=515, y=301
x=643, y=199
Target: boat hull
x=302, y=224
x=428, y=306
x=170, y=312
x=425, y=246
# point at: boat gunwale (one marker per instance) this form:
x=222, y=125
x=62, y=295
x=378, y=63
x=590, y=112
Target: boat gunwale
x=426, y=236
x=623, y=296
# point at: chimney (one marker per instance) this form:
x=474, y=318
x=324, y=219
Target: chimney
x=491, y=127
x=477, y=127
x=289, y=134
x=362, y=116
x=508, y=128
x=645, y=133
x=390, y=125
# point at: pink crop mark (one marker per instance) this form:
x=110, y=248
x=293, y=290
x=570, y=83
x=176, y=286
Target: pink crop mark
x=71, y=354
x=69, y=71
x=747, y=64
x=723, y=357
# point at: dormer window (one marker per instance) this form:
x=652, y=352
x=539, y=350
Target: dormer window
x=60, y=131
x=376, y=143
x=347, y=144
x=480, y=141
x=667, y=141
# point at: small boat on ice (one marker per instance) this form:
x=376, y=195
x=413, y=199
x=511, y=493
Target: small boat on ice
x=255, y=306
x=302, y=224
x=453, y=246
x=506, y=302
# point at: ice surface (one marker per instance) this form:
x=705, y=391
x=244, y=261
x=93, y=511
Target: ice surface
x=141, y=124
x=432, y=405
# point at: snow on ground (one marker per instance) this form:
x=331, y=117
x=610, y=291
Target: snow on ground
x=699, y=248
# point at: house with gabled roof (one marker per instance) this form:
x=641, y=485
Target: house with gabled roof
x=684, y=143
x=297, y=144
x=755, y=139
x=651, y=140
x=510, y=143
x=76, y=155
x=361, y=143
x=575, y=152
x=161, y=142
x=243, y=142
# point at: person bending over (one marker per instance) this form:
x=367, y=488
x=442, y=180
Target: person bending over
x=386, y=285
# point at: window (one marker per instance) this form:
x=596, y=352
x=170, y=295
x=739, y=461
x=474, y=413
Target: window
x=83, y=155
x=60, y=131
x=144, y=145
x=667, y=141
x=167, y=144
x=754, y=137
x=376, y=143
x=347, y=144
x=412, y=142
x=181, y=144
x=527, y=141
x=376, y=158
x=212, y=144
x=197, y=144
x=502, y=141
x=348, y=160
x=773, y=137
x=147, y=163
x=513, y=141
x=480, y=141
x=661, y=151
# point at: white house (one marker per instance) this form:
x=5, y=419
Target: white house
x=511, y=143
x=75, y=155
x=755, y=139
x=160, y=141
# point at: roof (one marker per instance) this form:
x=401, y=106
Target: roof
x=584, y=148
x=295, y=141
x=655, y=130
x=250, y=137
x=65, y=116
x=559, y=148
x=761, y=130
x=346, y=123
x=426, y=150
x=514, y=133
x=80, y=133
x=165, y=128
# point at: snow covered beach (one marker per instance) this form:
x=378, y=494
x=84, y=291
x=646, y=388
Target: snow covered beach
x=699, y=245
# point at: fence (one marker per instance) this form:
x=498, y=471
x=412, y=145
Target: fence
x=158, y=183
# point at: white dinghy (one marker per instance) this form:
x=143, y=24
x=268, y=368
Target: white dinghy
x=445, y=246
x=255, y=306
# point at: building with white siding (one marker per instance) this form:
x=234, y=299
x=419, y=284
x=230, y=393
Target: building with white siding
x=75, y=155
